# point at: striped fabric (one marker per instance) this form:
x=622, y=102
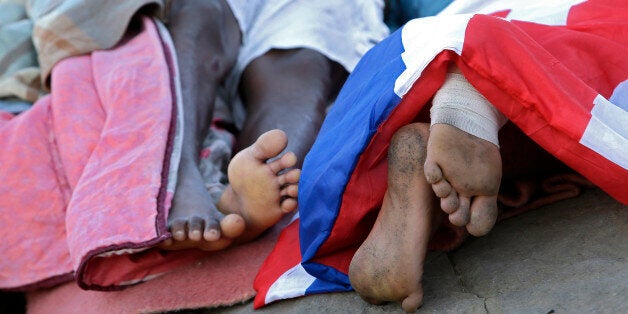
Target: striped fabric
x=63, y=177
x=557, y=69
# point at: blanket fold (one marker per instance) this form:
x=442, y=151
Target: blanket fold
x=89, y=171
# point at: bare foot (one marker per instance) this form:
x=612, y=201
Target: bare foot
x=207, y=40
x=465, y=172
x=388, y=266
x=258, y=196
x=194, y=219
x=261, y=191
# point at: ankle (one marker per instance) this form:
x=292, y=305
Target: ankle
x=459, y=104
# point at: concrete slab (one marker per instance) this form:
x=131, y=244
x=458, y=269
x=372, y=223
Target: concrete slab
x=566, y=257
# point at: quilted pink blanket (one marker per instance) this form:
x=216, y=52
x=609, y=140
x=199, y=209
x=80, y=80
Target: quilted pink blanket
x=88, y=173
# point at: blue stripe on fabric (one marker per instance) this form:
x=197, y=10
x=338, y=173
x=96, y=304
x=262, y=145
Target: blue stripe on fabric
x=364, y=102
x=340, y=284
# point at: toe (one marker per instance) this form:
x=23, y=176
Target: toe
x=465, y=203
x=483, y=215
x=286, y=161
x=412, y=302
x=461, y=216
x=195, y=228
x=269, y=144
x=290, y=177
x=211, y=234
x=291, y=190
x=232, y=226
x=442, y=188
x=288, y=205
x=432, y=171
x=178, y=230
x=450, y=203
x=212, y=231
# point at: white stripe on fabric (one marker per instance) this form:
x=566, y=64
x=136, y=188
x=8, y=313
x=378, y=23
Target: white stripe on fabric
x=291, y=284
x=607, y=132
x=423, y=39
x=549, y=12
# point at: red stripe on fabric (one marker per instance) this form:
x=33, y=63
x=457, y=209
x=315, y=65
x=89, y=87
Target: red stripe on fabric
x=364, y=192
x=605, y=18
x=285, y=255
x=546, y=89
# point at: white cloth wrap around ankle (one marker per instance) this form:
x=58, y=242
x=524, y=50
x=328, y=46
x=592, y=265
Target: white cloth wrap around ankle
x=459, y=104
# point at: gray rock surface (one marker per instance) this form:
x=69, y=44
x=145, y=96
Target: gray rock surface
x=569, y=257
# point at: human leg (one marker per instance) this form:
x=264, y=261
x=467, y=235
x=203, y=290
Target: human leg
x=286, y=92
x=207, y=38
x=388, y=266
x=289, y=90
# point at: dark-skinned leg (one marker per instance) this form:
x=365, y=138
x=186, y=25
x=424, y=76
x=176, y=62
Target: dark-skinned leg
x=286, y=93
x=289, y=90
x=286, y=90
x=207, y=39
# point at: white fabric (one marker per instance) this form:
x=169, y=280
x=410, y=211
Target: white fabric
x=290, y=284
x=550, y=12
x=425, y=38
x=459, y=104
x=341, y=30
x=607, y=131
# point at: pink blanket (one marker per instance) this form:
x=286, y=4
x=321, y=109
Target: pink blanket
x=88, y=173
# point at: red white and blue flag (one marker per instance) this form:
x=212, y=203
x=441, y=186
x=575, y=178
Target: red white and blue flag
x=558, y=69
